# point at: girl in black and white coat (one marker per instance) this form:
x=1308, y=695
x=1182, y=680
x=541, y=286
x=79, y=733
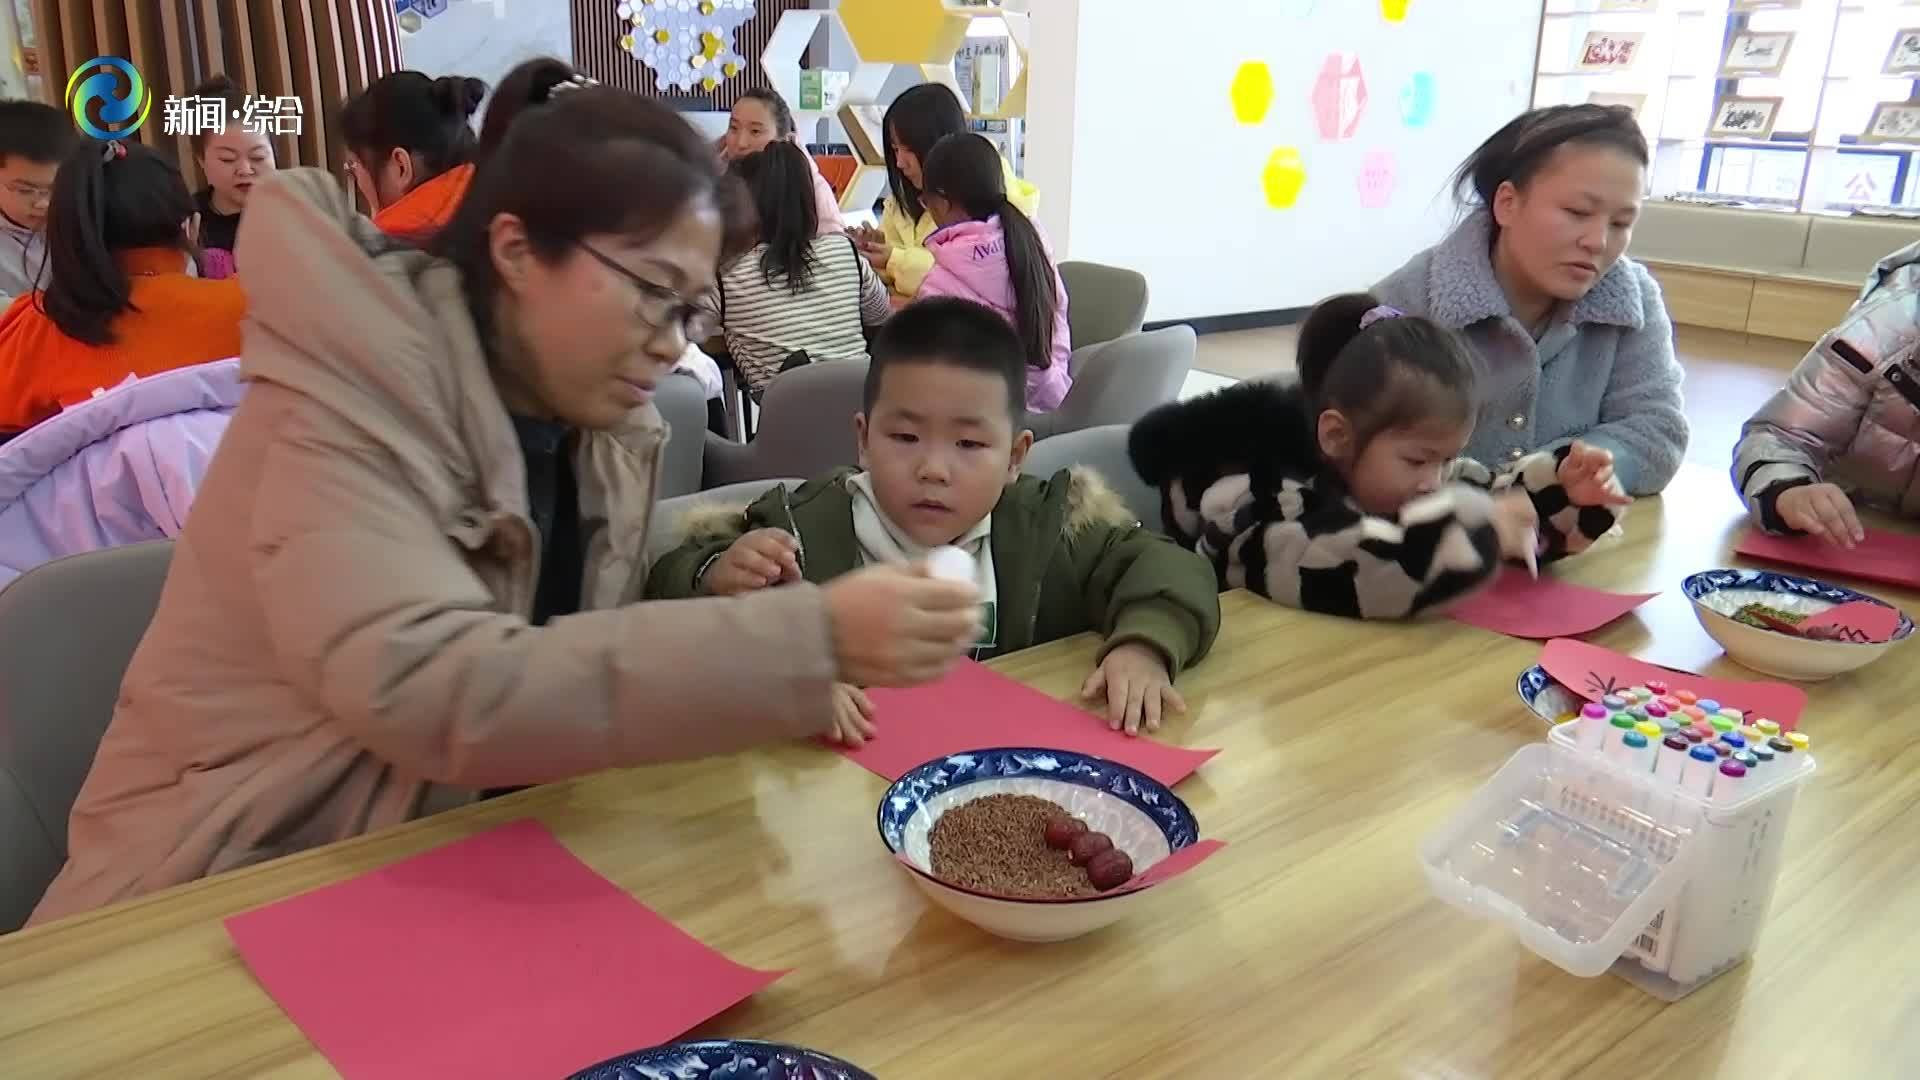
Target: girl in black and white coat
x=1344, y=493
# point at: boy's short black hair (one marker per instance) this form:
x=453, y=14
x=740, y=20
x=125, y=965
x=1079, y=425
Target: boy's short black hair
x=955, y=333
x=34, y=131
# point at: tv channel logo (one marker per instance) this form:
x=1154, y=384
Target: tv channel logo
x=122, y=95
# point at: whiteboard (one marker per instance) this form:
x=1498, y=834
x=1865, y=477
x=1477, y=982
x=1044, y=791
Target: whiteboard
x=1167, y=180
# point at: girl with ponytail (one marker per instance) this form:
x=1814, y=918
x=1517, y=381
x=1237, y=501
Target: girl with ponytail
x=410, y=144
x=121, y=299
x=988, y=251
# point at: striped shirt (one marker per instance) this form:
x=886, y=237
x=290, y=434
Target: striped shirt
x=765, y=324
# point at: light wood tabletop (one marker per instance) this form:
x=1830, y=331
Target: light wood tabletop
x=1309, y=947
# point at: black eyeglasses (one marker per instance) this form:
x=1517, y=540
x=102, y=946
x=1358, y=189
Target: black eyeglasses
x=660, y=306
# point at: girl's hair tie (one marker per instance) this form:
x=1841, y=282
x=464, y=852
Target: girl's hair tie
x=1376, y=314
x=115, y=150
x=569, y=85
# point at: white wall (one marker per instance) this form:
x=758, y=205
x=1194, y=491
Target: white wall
x=1142, y=163
x=485, y=39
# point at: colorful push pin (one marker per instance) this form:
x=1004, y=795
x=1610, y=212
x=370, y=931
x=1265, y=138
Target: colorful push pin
x=1721, y=724
x=1638, y=712
x=1708, y=705
x=1734, y=715
x=1762, y=751
x=1705, y=729
x=1686, y=697
x=1692, y=736
x=1672, y=703
x=1650, y=729
x=1746, y=758
x=1768, y=727
x=1622, y=722
x=1733, y=739
x=1751, y=734
x=1798, y=739
x=1656, y=686
x=1692, y=713
x=1668, y=725
x=1638, y=693
x=1720, y=748
x=1614, y=702
x=1657, y=710
x=1779, y=746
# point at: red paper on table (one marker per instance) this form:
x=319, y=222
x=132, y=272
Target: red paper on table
x=501, y=955
x=1860, y=621
x=1170, y=867
x=1519, y=606
x=1889, y=558
x=975, y=708
x=1594, y=672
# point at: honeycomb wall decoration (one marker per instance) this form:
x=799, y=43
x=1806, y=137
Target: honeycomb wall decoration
x=687, y=43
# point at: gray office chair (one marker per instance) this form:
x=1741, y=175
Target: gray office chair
x=1103, y=302
x=683, y=405
x=1103, y=449
x=67, y=631
x=1118, y=382
x=667, y=513
x=805, y=427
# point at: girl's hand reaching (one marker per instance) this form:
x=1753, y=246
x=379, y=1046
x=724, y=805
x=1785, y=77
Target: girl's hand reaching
x=852, y=716
x=1134, y=680
x=1587, y=475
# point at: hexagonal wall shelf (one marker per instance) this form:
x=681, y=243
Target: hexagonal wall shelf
x=904, y=31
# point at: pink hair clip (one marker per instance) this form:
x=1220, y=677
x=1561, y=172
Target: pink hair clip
x=1376, y=314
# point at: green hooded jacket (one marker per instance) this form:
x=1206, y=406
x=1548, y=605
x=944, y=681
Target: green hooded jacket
x=1067, y=555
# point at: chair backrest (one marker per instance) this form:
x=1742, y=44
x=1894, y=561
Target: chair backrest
x=1104, y=450
x=1119, y=382
x=1103, y=302
x=683, y=405
x=805, y=429
x=668, y=514
x=67, y=631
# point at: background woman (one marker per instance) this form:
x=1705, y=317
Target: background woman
x=1573, y=338
x=797, y=291
x=916, y=121
x=233, y=160
x=759, y=118
x=120, y=300
x=410, y=575
x=409, y=143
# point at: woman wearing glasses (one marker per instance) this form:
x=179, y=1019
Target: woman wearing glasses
x=409, y=577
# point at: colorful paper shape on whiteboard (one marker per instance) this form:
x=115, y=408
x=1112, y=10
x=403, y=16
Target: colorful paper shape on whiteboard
x=1594, y=672
x=1863, y=622
x=1252, y=92
x=1284, y=176
x=1393, y=10
x=1339, y=97
x=1889, y=558
x=1416, y=99
x=1376, y=179
x=1519, y=605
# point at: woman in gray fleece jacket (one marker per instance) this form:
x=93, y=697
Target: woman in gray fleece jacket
x=1572, y=337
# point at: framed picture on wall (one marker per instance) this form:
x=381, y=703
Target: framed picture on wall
x=1904, y=57
x=1736, y=117
x=1752, y=53
x=1635, y=102
x=1893, y=121
x=1609, y=50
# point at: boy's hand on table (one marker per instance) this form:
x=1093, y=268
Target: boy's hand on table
x=1820, y=510
x=1587, y=475
x=761, y=558
x=1138, y=689
x=852, y=716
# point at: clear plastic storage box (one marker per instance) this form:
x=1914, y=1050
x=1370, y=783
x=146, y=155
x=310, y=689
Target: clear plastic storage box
x=1598, y=865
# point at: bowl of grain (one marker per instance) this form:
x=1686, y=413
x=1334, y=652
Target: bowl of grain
x=972, y=831
x=1751, y=614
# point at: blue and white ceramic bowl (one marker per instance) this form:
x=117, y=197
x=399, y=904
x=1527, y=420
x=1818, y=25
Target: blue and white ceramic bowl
x=1718, y=594
x=1143, y=816
x=1549, y=699
x=728, y=1059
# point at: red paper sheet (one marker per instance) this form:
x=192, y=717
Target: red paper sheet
x=1863, y=621
x=1889, y=558
x=1594, y=672
x=1519, y=606
x=1166, y=869
x=974, y=708
x=501, y=955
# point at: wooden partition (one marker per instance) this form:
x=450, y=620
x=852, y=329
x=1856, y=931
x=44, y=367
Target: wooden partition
x=317, y=51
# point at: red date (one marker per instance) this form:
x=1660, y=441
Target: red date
x=1087, y=845
x=1062, y=830
x=1110, y=869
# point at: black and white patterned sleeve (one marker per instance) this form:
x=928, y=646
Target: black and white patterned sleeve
x=1315, y=550
x=1565, y=529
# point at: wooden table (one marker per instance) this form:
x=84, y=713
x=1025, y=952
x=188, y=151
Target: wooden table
x=1309, y=947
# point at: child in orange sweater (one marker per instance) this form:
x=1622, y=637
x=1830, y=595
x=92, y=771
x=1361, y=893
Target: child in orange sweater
x=119, y=300
x=410, y=145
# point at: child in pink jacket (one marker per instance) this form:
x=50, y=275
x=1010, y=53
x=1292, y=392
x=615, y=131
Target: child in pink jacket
x=989, y=252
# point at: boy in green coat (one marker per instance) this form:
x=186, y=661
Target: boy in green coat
x=942, y=440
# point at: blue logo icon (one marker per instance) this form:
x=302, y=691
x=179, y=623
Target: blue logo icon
x=116, y=84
